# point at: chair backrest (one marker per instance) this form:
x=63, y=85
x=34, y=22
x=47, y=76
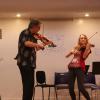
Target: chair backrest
x=96, y=67
x=40, y=77
x=90, y=78
x=61, y=78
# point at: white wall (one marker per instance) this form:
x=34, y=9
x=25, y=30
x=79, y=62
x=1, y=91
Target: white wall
x=64, y=33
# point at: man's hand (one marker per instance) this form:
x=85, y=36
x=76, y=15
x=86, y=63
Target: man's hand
x=39, y=47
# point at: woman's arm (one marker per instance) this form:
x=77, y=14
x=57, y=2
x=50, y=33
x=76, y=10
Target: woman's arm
x=87, y=51
x=70, y=53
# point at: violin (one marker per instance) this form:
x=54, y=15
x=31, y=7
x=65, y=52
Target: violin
x=44, y=39
x=82, y=48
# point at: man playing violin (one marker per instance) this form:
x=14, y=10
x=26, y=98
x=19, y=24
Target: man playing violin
x=26, y=57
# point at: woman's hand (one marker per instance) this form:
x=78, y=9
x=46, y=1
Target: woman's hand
x=88, y=46
x=76, y=52
x=73, y=51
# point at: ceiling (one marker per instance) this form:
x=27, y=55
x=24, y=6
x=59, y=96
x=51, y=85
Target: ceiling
x=49, y=9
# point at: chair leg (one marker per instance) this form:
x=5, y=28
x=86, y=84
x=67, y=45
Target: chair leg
x=42, y=93
x=33, y=93
x=56, y=93
x=91, y=95
x=96, y=95
x=49, y=94
x=79, y=95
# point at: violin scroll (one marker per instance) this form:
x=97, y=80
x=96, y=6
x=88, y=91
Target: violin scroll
x=92, y=45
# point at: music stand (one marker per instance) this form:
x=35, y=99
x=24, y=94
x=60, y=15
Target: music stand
x=96, y=68
x=86, y=69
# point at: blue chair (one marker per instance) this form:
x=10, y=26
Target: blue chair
x=90, y=82
x=61, y=80
x=96, y=71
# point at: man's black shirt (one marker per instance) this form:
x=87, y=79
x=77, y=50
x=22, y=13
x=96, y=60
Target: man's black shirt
x=26, y=56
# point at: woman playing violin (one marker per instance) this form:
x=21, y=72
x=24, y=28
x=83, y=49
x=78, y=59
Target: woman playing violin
x=77, y=66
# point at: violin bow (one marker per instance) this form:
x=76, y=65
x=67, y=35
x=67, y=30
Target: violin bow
x=92, y=35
